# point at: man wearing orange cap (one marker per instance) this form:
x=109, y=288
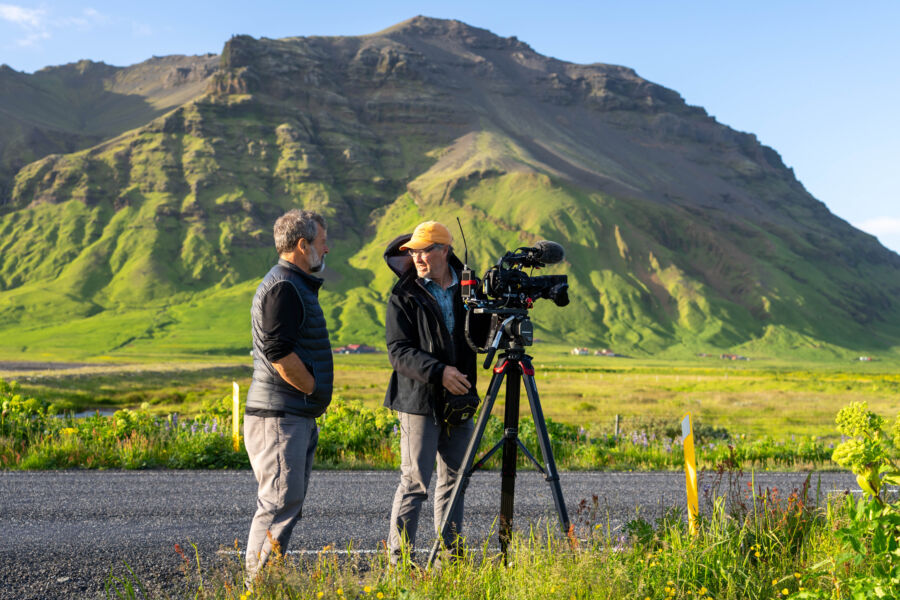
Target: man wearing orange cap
x=425, y=332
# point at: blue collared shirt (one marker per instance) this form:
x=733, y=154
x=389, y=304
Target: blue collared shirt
x=444, y=298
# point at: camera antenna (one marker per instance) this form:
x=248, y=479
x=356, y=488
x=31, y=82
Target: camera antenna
x=465, y=247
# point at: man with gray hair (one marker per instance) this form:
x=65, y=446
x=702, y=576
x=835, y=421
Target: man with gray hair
x=293, y=376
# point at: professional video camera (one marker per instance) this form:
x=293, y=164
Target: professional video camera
x=507, y=292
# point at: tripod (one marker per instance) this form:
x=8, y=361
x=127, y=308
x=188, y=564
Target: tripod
x=516, y=366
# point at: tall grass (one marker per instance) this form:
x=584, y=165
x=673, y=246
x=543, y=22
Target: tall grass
x=762, y=546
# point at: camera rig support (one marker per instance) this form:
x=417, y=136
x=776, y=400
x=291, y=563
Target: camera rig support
x=509, y=336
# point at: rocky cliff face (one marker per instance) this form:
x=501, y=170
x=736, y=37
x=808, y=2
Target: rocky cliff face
x=59, y=110
x=680, y=231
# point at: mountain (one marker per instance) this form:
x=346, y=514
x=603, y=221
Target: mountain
x=682, y=234
x=64, y=109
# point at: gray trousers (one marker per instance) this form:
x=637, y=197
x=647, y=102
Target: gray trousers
x=421, y=441
x=281, y=453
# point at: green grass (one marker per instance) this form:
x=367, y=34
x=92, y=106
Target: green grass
x=773, y=415
x=758, y=398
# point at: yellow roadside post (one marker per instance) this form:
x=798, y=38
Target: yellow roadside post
x=690, y=472
x=236, y=416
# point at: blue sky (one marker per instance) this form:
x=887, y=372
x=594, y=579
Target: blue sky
x=817, y=81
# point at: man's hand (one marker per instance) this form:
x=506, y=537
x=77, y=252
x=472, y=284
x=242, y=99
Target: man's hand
x=292, y=370
x=455, y=381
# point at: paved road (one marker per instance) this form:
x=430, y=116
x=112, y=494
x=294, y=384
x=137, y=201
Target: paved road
x=62, y=532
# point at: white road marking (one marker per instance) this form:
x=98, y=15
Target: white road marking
x=240, y=552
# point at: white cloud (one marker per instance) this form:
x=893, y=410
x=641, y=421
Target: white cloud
x=87, y=19
x=38, y=25
x=881, y=226
x=33, y=39
x=29, y=18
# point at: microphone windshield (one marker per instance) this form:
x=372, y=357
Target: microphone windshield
x=550, y=252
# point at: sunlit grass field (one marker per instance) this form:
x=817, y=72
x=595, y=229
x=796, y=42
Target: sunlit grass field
x=757, y=398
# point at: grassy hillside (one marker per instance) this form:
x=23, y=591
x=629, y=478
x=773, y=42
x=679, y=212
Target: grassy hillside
x=682, y=236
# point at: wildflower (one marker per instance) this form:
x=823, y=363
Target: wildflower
x=785, y=591
x=367, y=589
x=798, y=575
x=320, y=594
x=702, y=591
x=774, y=582
x=379, y=596
x=340, y=592
x=756, y=554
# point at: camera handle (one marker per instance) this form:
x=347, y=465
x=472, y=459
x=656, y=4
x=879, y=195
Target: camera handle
x=492, y=349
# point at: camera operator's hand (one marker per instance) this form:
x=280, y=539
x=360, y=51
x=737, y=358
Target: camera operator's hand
x=455, y=381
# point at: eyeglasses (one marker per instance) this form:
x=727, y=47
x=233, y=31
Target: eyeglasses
x=416, y=252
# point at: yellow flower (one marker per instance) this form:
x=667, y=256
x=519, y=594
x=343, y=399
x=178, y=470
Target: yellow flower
x=702, y=591
x=798, y=575
x=756, y=554
x=367, y=589
x=785, y=591
x=774, y=582
x=340, y=592
x=68, y=431
x=379, y=596
x=320, y=594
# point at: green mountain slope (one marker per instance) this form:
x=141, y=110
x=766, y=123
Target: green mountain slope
x=682, y=235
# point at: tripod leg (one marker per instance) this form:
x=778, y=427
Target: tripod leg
x=510, y=453
x=462, y=481
x=544, y=440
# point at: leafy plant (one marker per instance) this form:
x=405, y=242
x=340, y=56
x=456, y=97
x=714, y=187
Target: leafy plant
x=871, y=537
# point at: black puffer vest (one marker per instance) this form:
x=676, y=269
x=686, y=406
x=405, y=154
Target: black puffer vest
x=268, y=390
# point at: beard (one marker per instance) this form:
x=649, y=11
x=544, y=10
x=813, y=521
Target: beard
x=316, y=262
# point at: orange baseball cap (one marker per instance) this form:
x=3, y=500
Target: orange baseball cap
x=426, y=234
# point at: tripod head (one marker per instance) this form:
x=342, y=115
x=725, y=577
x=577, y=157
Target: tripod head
x=511, y=329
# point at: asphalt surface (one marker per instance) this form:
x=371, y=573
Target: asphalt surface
x=63, y=533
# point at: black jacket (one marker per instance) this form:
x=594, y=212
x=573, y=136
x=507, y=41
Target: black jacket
x=419, y=345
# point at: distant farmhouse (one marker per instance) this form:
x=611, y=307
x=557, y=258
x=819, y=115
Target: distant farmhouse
x=587, y=352
x=355, y=349
x=605, y=352
x=733, y=357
